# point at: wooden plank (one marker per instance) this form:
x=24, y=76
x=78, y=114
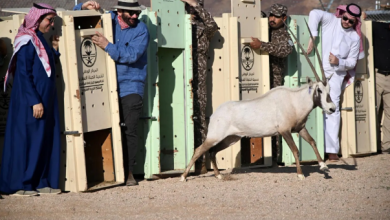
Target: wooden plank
x=73, y=123
x=98, y=157
x=114, y=105
x=265, y=68
x=108, y=160
x=252, y=151
x=256, y=150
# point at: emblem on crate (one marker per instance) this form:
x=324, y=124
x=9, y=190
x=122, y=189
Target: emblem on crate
x=88, y=52
x=358, y=91
x=247, y=58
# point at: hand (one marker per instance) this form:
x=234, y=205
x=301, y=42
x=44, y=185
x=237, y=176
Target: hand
x=333, y=59
x=364, y=15
x=38, y=110
x=100, y=40
x=310, y=45
x=54, y=41
x=90, y=5
x=193, y=3
x=256, y=43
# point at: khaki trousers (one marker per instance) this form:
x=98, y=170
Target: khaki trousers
x=383, y=97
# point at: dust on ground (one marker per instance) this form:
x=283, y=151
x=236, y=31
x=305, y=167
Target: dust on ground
x=354, y=189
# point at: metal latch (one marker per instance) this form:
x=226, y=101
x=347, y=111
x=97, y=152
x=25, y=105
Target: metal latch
x=148, y=118
x=122, y=124
x=71, y=132
x=347, y=109
x=248, y=1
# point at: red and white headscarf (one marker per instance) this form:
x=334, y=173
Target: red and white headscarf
x=122, y=23
x=27, y=33
x=355, y=11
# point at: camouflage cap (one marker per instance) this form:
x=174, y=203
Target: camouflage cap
x=278, y=10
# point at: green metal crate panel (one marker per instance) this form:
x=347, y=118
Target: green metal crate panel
x=171, y=19
x=297, y=72
x=173, y=129
x=149, y=126
x=166, y=136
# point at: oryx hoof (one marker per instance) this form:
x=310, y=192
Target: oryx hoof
x=323, y=167
x=301, y=177
x=219, y=176
x=183, y=179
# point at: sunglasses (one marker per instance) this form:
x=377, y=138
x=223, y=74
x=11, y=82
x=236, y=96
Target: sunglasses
x=349, y=20
x=51, y=20
x=132, y=12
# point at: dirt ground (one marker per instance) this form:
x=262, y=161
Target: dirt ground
x=354, y=189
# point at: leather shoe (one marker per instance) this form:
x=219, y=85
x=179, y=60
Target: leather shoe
x=333, y=158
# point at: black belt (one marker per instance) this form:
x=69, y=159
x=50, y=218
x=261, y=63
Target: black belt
x=384, y=72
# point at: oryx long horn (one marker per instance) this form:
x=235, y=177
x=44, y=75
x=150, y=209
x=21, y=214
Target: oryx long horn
x=304, y=53
x=318, y=55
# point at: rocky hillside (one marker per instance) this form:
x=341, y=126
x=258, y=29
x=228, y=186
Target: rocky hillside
x=296, y=7
x=216, y=7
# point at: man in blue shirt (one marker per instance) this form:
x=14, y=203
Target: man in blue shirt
x=131, y=38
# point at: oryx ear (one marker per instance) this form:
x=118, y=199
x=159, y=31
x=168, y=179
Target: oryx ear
x=314, y=88
x=311, y=84
x=309, y=81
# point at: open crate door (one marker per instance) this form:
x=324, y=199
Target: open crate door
x=358, y=134
x=92, y=153
x=254, y=79
x=148, y=155
x=174, y=37
x=297, y=71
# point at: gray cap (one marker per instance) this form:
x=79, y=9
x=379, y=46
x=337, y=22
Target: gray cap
x=278, y=10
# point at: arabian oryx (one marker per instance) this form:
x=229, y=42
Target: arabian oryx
x=280, y=111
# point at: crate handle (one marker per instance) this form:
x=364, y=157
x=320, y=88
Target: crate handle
x=87, y=33
x=246, y=40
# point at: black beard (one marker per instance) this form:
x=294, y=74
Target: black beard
x=345, y=27
x=130, y=24
x=275, y=28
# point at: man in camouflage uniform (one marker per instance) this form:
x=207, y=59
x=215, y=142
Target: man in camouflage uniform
x=279, y=47
x=203, y=30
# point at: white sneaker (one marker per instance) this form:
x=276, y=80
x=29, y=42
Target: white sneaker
x=48, y=190
x=25, y=193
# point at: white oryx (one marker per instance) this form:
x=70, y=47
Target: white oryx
x=280, y=111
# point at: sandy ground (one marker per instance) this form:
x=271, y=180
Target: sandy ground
x=354, y=189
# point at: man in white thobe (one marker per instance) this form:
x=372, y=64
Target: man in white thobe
x=341, y=48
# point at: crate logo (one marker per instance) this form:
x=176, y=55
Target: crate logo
x=358, y=91
x=247, y=58
x=88, y=52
